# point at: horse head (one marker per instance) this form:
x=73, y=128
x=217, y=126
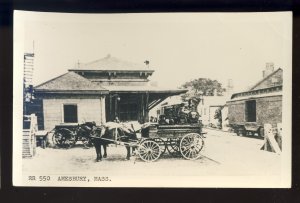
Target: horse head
x=98, y=131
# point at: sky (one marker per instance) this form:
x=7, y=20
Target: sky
x=180, y=47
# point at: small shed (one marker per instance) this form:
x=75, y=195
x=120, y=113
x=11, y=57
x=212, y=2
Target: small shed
x=208, y=107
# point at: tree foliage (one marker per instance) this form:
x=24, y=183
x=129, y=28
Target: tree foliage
x=203, y=86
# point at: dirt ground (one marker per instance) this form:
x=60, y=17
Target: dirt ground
x=224, y=154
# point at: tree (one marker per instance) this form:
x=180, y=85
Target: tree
x=203, y=86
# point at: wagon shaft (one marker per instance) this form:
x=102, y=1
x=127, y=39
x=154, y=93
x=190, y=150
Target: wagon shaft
x=129, y=144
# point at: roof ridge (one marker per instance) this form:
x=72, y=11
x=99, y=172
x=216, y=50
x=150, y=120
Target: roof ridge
x=112, y=63
x=113, y=58
x=265, y=78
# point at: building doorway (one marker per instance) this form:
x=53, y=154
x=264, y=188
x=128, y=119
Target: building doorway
x=124, y=106
x=250, y=111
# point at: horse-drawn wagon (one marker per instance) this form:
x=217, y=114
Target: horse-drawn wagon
x=180, y=134
x=154, y=140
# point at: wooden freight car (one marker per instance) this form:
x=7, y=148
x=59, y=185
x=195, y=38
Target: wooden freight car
x=249, y=111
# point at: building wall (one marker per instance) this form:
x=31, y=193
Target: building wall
x=203, y=110
x=224, y=112
x=88, y=110
x=212, y=111
x=225, y=118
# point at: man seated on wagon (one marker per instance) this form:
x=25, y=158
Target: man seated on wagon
x=183, y=113
x=117, y=120
x=162, y=120
x=193, y=117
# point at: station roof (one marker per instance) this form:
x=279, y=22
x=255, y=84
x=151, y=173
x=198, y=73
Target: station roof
x=110, y=63
x=142, y=89
x=70, y=82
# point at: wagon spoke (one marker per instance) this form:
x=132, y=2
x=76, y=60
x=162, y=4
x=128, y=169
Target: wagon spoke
x=152, y=156
x=191, y=145
x=173, y=146
x=162, y=145
x=149, y=150
x=147, y=156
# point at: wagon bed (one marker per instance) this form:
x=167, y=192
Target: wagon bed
x=173, y=131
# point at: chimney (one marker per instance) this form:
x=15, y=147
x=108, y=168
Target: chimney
x=230, y=87
x=147, y=63
x=268, y=70
x=229, y=83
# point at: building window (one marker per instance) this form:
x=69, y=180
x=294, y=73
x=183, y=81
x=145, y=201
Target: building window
x=250, y=109
x=70, y=113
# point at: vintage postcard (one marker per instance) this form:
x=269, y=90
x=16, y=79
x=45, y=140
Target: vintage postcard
x=152, y=99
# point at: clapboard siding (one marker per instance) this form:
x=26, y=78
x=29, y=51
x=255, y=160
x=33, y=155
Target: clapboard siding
x=88, y=110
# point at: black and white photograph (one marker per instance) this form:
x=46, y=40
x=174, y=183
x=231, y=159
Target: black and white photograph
x=152, y=99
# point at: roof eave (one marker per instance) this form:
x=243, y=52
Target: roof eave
x=253, y=97
x=174, y=92
x=237, y=93
x=74, y=92
x=108, y=70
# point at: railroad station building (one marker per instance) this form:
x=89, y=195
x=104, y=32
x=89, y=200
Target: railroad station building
x=99, y=91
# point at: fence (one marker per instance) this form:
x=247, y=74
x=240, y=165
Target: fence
x=273, y=138
x=29, y=141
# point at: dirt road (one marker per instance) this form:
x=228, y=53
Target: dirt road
x=224, y=154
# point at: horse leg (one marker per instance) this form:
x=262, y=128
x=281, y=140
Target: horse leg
x=128, y=152
x=104, y=148
x=133, y=150
x=100, y=153
x=98, y=150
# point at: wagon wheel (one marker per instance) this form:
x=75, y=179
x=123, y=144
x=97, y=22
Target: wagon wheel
x=149, y=150
x=260, y=132
x=173, y=146
x=62, y=140
x=162, y=145
x=69, y=140
x=86, y=142
x=57, y=139
x=191, y=146
x=241, y=131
